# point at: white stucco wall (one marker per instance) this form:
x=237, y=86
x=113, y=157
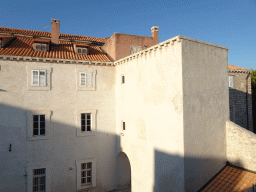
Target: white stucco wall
x=241, y=146
x=150, y=103
x=63, y=148
x=206, y=110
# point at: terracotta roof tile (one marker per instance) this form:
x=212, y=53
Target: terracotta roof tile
x=235, y=67
x=231, y=179
x=23, y=46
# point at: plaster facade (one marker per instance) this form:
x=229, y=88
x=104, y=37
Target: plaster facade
x=241, y=146
x=174, y=102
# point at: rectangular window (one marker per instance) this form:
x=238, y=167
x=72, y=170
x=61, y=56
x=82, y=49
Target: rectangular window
x=123, y=124
x=230, y=81
x=135, y=49
x=39, y=180
x=81, y=50
x=123, y=79
x=40, y=47
x=86, y=173
x=38, y=125
x=0, y=43
x=85, y=79
x=38, y=78
x=85, y=121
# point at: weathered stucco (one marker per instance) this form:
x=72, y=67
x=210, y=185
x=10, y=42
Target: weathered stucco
x=206, y=110
x=150, y=103
x=241, y=146
x=63, y=148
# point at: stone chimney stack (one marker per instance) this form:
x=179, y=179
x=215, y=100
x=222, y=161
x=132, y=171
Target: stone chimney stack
x=55, y=32
x=154, y=31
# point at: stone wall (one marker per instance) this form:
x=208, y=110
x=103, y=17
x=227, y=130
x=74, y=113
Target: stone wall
x=237, y=99
x=241, y=146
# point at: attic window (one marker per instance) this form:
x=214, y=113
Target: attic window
x=135, y=49
x=0, y=43
x=40, y=47
x=81, y=50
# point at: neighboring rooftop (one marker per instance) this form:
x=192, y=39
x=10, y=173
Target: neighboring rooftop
x=20, y=42
x=236, y=68
x=231, y=178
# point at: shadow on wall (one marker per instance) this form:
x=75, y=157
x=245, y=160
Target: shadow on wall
x=64, y=147
x=240, y=105
x=62, y=151
x=170, y=174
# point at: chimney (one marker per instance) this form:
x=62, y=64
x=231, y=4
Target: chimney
x=55, y=32
x=154, y=31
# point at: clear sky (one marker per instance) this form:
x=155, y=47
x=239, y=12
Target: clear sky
x=231, y=23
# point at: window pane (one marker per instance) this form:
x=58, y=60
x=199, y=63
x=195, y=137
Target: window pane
x=88, y=116
x=88, y=128
x=42, y=124
x=83, y=166
x=83, y=128
x=35, y=131
x=42, y=117
x=42, y=180
x=88, y=122
x=83, y=122
x=89, y=179
x=42, y=131
x=83, y=180
x=35, y=117
x=35, y=125
x=83, y=116
x=89, y=165
x=88, y=173
x=83, y=174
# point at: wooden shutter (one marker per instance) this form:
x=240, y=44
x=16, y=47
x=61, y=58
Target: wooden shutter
x=42, y=78
x=35, y=77
x=82, y=79
x=88, y=79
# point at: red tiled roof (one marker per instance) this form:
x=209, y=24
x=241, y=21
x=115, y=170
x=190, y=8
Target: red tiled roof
x=23, y=46
x=231, y=179
x=235, y=67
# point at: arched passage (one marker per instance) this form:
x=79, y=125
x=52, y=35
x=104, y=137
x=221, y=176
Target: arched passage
x=123, y=171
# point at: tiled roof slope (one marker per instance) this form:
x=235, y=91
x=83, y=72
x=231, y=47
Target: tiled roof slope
x=231, y=179
x=235, y=67
x=23, y=46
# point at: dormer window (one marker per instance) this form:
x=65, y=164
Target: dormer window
x=81, y=50
x=0, y=43
x=40, y=47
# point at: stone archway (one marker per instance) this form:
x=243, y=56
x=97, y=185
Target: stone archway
x=123, y=171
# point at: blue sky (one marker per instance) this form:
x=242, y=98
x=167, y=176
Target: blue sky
x=231, y=23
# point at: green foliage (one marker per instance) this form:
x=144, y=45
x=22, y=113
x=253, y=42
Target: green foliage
x=253, y=77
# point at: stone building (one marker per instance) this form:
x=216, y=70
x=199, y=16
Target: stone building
x=240, y=96
x=81, y=113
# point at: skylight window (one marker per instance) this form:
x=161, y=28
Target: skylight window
x=40, y=47
x=81, y=50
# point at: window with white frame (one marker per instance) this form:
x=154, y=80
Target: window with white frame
x=135, y=49
x=38, y=125
x=38, y=77
x=40, y=47
x=86, y=79
x=86, y=173
x=86, y=122
x=39, y=180
x=230, y=81
x=123, y=79
x=81, y=50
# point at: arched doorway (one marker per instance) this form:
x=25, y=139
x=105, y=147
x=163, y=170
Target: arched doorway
x=123, y=171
